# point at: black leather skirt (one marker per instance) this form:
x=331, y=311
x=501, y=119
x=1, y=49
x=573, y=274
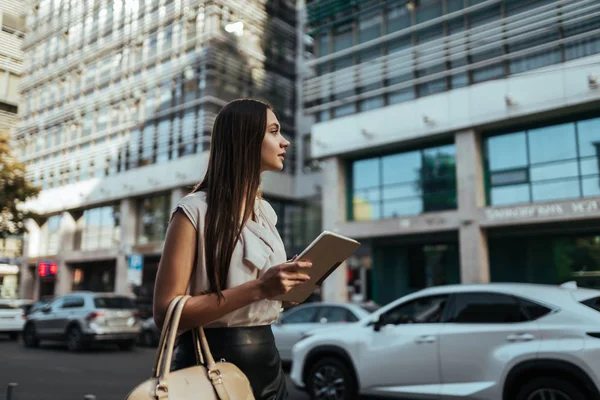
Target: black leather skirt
x=252, y=349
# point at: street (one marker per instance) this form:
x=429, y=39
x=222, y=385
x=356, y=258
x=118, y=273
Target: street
x=52, y=373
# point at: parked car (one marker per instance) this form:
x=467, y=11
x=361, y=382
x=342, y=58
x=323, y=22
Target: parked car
x=37, y=305
x=82, y=318
x=486, y=342
x=12, y=318
x=295, y=322
x=150, y=334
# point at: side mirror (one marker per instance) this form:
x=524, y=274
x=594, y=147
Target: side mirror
x=46, y=309
x=379, y=323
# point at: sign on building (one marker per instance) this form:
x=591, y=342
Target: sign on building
x=135, y=265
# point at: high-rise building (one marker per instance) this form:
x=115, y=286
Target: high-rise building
x=12, y=22
x=460, y=139
x=119, y=98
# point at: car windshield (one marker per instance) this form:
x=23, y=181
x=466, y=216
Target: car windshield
x=113, y=302
x=370, y=307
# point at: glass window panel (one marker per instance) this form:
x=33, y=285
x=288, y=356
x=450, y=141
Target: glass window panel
x=565, y=189
x=164, y=136
x=454, y=5
x=323, y=45
x=398, y=18
x=552, y=143
x=365, y=173
x=342, y=38
x=507, y=151
x=372, y=195
x=346, y=109
x=404, y=167
x=369, y=27
x=371, y=104
x=429, y=12
x=510, y=177
x=365, y=211
x=343, y=62
x=589, y=166
x=370, y=54
x=509, y=195
x=591, y=186
x=399, y=191
x=393, y=209
x=401, y=96
x=554, y=171
x=589, y=137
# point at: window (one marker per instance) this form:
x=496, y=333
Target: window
x=593, y=302
x=300, y=316
x=98, y=228
x=73, y=302
x=369, y=27
x=546, y=163
x=154, y=217
x=534, y=310
x=404, y=184
x=335, y=314
x=342, y=37
x=425, y=310
x=114, y=302
x=486, y=308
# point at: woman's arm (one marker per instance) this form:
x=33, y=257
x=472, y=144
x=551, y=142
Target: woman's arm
x=175, y=270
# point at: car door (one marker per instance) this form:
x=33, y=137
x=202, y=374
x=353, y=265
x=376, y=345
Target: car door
x=45, y=322
x=69, y=311
x=291, y=326
x=399, y=356
x=484, y=333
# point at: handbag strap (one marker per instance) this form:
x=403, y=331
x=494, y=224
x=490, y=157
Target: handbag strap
x=163, y=334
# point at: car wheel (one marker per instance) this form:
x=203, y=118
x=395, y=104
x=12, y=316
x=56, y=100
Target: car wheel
x=75, y=339
x=126, y=345
x=330, y=378
x=30, y=338
x=550, y=388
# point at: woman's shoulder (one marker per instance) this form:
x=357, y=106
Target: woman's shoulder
x=193, y=206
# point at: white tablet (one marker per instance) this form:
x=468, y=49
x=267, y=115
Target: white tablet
x=326, y=253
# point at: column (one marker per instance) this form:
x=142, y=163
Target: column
x=66, y=232
x=31, y=243
x=334, y=210
x=474, y=260
x=128, y=225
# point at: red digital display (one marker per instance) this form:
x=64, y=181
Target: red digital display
x=47, y=269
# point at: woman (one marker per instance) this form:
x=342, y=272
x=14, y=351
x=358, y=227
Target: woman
x=223, y=248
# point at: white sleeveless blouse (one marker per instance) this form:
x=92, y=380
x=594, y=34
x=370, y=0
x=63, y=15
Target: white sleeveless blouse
x=260, y=247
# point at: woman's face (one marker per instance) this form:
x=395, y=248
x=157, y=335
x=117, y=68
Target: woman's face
x=273, y=145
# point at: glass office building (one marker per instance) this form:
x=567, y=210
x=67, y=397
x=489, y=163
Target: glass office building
x=459, y=139
x=118, y=102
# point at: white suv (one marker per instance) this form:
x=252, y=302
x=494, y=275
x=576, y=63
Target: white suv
x=486, y=342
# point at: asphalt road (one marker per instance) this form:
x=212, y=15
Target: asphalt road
x=52, y=373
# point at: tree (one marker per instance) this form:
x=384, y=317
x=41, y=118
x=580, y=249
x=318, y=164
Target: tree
x=14, y=190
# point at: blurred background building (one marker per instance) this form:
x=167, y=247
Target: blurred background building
x=12, y=22
x=118, y=100
x=459, y=139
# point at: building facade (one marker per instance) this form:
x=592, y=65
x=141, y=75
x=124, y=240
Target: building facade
x=459, y=140
x=12, y=22
x=119, y=101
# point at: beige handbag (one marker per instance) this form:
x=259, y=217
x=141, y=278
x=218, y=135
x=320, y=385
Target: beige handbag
x=206, y=381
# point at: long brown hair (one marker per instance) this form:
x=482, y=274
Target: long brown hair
x=231, y=182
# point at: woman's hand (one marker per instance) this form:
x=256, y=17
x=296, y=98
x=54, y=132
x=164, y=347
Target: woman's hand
x=281, y=278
